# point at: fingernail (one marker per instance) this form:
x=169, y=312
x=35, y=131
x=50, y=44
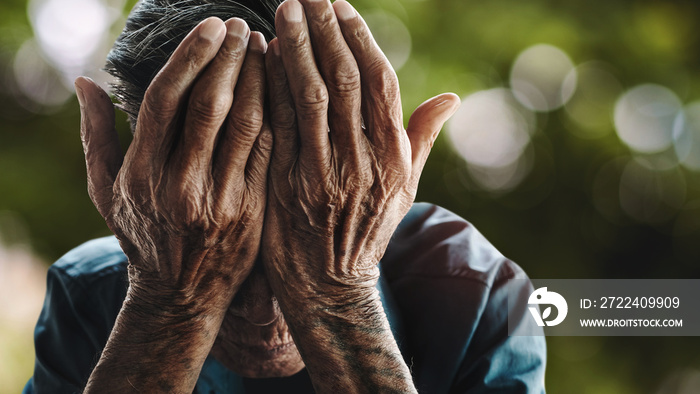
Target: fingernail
x=237, y=27
x=211, y=29
x=293, y=11
x=257, y=42
x=344, y=10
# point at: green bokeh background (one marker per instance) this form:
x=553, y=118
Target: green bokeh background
x=549, y=224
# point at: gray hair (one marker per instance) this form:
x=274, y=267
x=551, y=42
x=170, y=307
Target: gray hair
x=156, y=27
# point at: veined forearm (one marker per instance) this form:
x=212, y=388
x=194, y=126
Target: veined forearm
x=349, y=348
x=153, y=350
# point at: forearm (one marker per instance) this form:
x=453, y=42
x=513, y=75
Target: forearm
x=155, y=348
x=348, y=346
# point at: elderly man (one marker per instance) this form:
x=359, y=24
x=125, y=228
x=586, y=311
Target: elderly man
x=252, y=209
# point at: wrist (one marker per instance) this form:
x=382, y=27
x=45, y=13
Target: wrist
x=167, y=316
x=320, y=276
x=326, y=301
x=189, y=291
x=155, y=304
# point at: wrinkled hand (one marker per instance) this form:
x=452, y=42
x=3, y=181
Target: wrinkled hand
x=187, y=203
x=337, y=196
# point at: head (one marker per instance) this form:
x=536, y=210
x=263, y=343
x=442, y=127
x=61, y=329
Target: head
x=254, y=340
x=155, y=28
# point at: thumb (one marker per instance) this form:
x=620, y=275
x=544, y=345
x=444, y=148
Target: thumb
x=425, y=125
x=103, y=155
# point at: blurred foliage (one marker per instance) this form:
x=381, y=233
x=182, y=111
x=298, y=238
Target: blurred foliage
x=549, y=223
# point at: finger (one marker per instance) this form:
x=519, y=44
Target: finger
x=285, y=148
x=245, y=118
x=168, y=92
x=209, y=105
x=381, y=101
x=282, y=114
x=103, y=155
x=341, y=75
x=306, y=85
x=259, y=162
x=425, y=125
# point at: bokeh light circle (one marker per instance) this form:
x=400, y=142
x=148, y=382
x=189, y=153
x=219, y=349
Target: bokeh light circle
x=490, y=129
x=69, y=32
x=686, y=133
x=543, y=78
x=391, y=35
x=35, y=77
x=644, y=117
x=500, y=180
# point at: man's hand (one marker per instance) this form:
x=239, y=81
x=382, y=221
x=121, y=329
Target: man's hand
x=186, y=204
x=344, y=172
x=188, y=201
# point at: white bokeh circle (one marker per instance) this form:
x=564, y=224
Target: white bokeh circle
x=391, y=35
x=543, y=78
x=489, y=129
x=644, y=117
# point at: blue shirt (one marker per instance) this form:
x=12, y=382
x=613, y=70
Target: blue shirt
x=444, y=288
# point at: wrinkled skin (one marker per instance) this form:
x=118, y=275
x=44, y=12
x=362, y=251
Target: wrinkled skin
x=183, y=206
x=193, y=200
x=343, y=191
x=337, y=190
x=186, y=202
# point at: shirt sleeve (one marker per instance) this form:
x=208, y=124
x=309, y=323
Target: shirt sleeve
x=451, y=286
x=495, y=361
x=75, y=322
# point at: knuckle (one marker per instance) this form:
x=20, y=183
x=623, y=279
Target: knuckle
x=326, y=17
x=158, y=102
x=345, y=78
x=210, y=107
x=313, y=98
x=323, y=21
x=295, y=42
x=233, y=50
x=384, y=78
x=247, y=123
